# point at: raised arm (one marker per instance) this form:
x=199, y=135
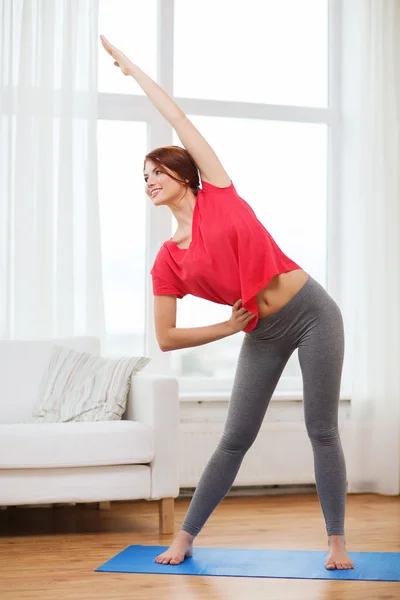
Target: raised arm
x=207, y=161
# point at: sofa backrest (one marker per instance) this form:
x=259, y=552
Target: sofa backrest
x=22, y=365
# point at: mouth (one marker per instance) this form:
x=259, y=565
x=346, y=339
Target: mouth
x=155, y=192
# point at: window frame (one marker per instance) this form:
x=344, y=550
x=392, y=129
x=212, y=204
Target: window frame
x=137, y=107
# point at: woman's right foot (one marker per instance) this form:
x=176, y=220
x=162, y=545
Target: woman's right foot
x=181, y=548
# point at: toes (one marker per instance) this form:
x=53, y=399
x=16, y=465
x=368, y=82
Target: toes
x=165, y=560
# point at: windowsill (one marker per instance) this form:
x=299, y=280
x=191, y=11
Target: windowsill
x=225, y=397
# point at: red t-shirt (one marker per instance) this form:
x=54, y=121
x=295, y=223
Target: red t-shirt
x=231, y=255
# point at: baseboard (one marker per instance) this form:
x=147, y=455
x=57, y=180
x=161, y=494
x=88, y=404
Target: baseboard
x=260, y=490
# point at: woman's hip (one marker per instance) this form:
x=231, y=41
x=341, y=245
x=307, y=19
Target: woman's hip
x=310, y=307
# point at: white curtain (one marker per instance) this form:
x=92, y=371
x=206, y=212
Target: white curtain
x=372, y=240
x=50, y=254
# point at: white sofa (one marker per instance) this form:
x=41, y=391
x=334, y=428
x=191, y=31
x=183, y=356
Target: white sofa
x=48, y=463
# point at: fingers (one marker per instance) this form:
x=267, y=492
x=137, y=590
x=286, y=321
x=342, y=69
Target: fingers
x=243, y=316
x=104, y=41
x=248, y=316
x=106, y=44
x=242, y=311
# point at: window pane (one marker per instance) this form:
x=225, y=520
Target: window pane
x=132, y=28
x=121, y=149
x=284, y=179
x=256, y=51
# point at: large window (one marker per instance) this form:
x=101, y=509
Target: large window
x=253, y=77
x=268, y=51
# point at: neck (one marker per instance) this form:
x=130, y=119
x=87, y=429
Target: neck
x=183, y=210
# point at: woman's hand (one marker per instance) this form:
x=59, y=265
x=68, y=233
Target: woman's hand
x=120, y=60
x=240, y=317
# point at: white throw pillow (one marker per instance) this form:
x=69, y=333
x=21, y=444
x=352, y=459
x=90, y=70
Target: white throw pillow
x=78, y=386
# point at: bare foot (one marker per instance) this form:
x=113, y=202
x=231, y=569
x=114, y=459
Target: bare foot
x=180, y=549
x=338, y=557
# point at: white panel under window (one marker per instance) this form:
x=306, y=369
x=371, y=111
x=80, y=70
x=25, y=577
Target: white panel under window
x=131, y=26
x=121, y=150
x=279, y=168
x=266, y=51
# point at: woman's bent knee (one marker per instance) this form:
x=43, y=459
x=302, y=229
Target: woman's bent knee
x=323, y=436
x=235, y=443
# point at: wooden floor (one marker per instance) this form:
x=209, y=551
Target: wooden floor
x=51, y=553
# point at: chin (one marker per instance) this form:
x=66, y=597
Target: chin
x=163, y=202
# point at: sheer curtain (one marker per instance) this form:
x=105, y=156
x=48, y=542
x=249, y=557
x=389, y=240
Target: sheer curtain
x=371, y=248
x=50, y=253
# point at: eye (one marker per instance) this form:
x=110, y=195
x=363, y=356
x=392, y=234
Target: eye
x=156, y=172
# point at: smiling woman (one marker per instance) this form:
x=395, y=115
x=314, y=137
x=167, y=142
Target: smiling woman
x=170, y=162
x=281, y=308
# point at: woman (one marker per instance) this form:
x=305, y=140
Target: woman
x=221, y=252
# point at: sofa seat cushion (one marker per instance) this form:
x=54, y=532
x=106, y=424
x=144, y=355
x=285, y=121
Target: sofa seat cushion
x=82, y=444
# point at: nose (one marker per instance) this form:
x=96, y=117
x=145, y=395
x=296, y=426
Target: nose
x=150, y=184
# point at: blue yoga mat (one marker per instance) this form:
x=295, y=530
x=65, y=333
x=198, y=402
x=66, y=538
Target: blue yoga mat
x=230, y=562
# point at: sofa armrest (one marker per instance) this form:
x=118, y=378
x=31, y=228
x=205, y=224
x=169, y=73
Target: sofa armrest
x=154, y=401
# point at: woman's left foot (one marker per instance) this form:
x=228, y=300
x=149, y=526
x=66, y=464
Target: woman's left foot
x=338, y=557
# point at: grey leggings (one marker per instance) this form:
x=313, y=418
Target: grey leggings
x=312, y=322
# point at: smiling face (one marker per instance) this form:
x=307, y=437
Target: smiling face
x=160, y=187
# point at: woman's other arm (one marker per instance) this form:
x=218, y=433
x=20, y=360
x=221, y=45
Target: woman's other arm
x=170, y=337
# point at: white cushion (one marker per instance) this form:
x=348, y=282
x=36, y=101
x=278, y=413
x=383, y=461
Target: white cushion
x=22, y=364
x=76, y=484
x=75, y=444
x=80, y=387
